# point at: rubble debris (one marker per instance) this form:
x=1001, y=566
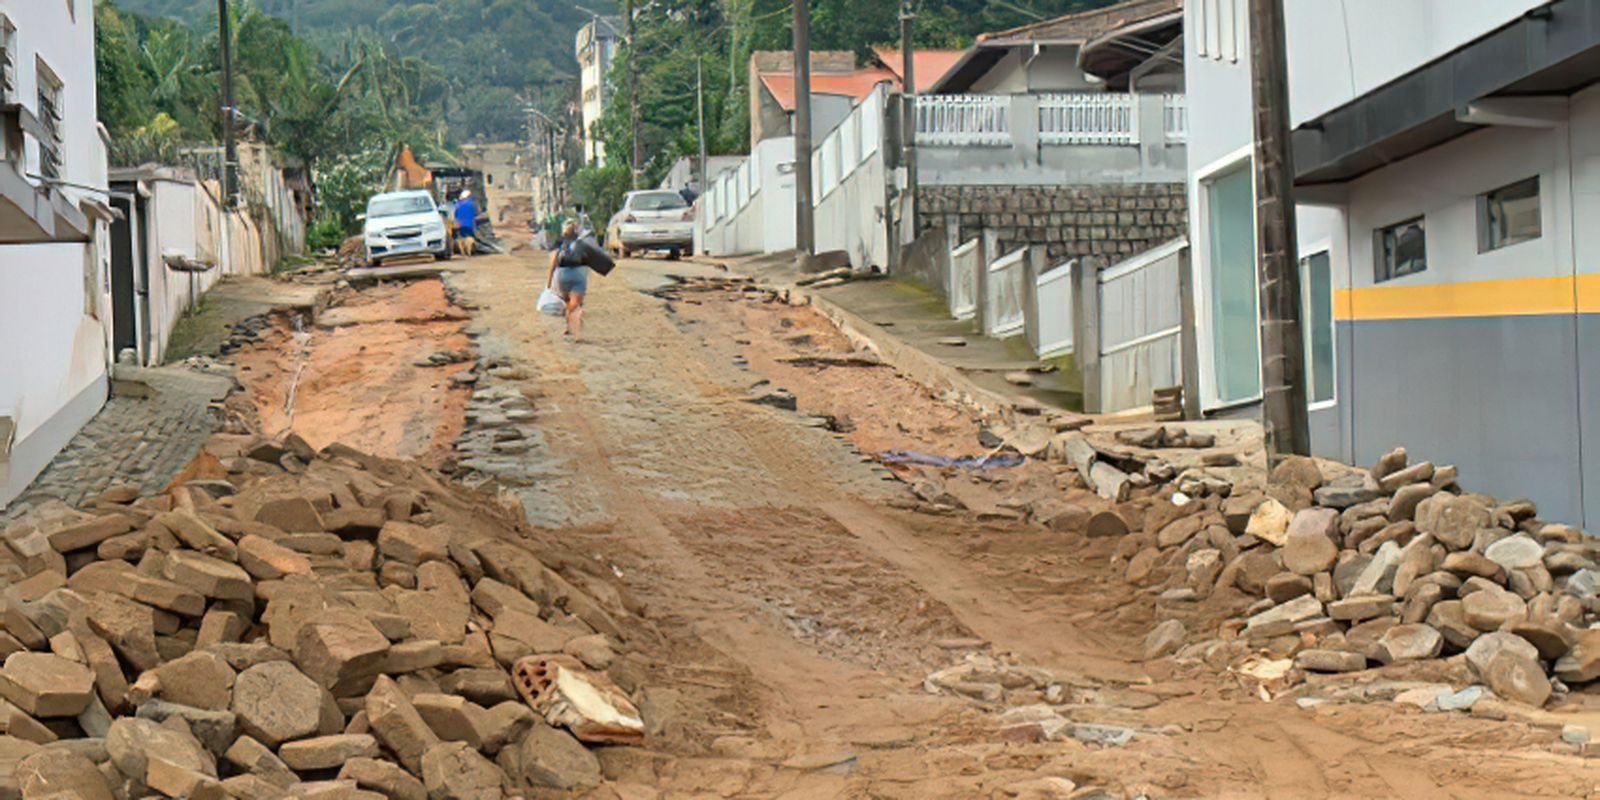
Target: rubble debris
x=1391, y=565
x=567, y=695
x=351, y=615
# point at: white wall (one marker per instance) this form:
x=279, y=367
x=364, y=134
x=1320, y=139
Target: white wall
x=1434, y=184
x=1584, y=125
x=766, y=222
x=851, y=208
x=55, y=318
x=1338, y=50
x=1342, y=49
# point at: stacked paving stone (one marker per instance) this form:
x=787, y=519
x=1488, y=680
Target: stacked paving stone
x=310, y=625
x=1358, y=568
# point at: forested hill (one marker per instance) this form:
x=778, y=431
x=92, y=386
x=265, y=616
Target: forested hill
x=489, y=51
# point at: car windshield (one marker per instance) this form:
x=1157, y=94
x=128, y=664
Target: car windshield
x=403, y=204
x=656, y=201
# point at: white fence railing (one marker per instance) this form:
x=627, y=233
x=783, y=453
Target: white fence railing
x=1004, y=307
x=1175, y=117
x=730, y=191
x=978, y=120
x=1089, y=118
x=1054, y=310
x=963, y=291
x=1141, y=324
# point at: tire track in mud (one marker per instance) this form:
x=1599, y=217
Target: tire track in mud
x=796, y=613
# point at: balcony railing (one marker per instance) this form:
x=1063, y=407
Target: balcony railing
x=1089, y=118
x=978, y=120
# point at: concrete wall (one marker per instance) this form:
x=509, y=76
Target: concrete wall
x=766, y=222
x=55, y=299
x=506, y=166
x=1480, y=360
x=1113, y=220
x=852, y=202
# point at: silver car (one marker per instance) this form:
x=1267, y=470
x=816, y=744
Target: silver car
x=404, y=224
x=654, y=219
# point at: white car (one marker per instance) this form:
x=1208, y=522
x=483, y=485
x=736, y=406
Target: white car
x=654, y=219
x=404, y=224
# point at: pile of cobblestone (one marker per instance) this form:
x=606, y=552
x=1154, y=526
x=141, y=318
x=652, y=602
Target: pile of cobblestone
x=304, y=624
x=1357, y=568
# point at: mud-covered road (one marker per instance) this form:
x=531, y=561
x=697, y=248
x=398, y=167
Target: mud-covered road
x=797, y=596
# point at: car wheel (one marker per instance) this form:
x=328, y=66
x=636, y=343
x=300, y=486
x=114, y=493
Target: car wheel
x=446, y=255
x=674, y=254
x=626, y=253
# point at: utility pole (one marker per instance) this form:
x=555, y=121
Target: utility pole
x=230, y=151
x=700, y=113
x=633, y=98
x=908, y=117
x=550, y=161
x=1283, y=404
x=804, y=232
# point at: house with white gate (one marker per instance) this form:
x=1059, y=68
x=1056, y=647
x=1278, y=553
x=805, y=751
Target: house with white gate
x=1034, y=150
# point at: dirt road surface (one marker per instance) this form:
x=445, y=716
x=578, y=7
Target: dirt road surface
x=798, y=605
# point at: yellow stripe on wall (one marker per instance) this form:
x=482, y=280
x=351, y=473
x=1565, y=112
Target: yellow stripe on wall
x=1502, y=298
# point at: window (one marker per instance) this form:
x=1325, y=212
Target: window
x=1231, y=250
x=1402, y=249
x=8, y=61
x=1508, y=215
x=656, y=201
x=49, y=113
x=1316, y=316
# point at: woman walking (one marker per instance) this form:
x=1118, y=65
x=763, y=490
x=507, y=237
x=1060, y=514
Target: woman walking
x=569, y=274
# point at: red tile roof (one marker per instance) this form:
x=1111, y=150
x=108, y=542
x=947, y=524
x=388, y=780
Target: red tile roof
x=931, y=64
x=855, y=85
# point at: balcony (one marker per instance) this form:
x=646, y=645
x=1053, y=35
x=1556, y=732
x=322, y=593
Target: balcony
x=1043, y=139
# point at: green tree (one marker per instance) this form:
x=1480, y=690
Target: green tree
x=124, y=88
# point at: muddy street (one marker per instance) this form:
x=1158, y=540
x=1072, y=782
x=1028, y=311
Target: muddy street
x=800, y=598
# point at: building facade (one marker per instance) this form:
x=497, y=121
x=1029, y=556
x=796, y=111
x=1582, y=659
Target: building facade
x=1447, y=154
x=54, y=298
x=596, y=46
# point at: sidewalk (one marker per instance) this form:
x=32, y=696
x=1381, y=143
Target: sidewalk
x=909, y=325
x=906, y=324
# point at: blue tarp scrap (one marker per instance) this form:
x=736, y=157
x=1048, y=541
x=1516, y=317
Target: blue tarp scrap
x=998, y=461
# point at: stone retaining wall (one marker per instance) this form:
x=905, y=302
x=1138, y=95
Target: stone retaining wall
x=1113, y=221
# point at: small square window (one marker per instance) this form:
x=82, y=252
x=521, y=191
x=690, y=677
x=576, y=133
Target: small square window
x=1508, y=215
x=1402, y=249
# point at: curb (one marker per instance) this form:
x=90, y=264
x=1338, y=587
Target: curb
x=930, y=372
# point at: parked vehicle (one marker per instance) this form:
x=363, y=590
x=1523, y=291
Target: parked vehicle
x=404, y=223
x=654, y=219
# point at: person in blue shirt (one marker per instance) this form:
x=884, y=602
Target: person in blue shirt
x=466, y=215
